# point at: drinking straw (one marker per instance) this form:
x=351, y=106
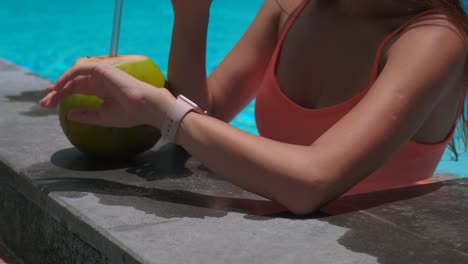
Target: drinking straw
x=116, y=28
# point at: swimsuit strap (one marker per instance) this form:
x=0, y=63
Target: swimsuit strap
x=375, y=67
x=289, y=25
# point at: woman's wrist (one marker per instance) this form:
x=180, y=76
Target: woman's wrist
x=156, y=103
x=192, y=13
x=194, y=21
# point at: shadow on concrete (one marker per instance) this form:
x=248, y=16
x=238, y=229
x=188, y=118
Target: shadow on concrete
x=254, y=209
x=360, y=202
x=33, y=97
x=354, y=203
x=373, y=231
x=102, y=188
x=169, y=162
x=73, y=159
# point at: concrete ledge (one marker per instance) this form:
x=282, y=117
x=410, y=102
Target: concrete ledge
x=26, y=228
x=164, y=207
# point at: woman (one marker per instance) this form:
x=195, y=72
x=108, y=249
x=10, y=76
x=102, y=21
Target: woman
x=334, y=115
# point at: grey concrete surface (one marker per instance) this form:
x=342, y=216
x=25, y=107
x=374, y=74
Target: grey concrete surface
x=165, y=207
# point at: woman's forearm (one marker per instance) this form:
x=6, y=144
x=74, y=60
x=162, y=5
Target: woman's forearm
x=187, y=62
x=275, y=170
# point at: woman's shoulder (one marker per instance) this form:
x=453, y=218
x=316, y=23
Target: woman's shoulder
x=436, y=22
x=430, y=33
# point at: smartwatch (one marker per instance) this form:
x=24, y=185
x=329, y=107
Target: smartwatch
x=175, y=115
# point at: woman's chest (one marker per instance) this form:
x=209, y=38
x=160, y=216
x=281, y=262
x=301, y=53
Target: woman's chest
x=325, y=60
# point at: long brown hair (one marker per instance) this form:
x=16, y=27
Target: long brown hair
x=455, y=11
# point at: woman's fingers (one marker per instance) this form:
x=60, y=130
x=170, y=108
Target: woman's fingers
x=55, y=96
x=80, y=85
x=82, y=69
x=81, y=73
x=50, y=88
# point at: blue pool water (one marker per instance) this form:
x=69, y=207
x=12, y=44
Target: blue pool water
x=48, y=36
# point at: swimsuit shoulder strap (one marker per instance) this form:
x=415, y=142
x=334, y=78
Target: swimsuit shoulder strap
x=291, y=21
x=388, y=38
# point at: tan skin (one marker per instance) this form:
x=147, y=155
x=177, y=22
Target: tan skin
x=415, y=97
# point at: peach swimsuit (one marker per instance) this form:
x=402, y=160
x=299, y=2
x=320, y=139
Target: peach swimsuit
x=281, y=119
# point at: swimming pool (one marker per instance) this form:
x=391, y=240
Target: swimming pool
x=48, y=36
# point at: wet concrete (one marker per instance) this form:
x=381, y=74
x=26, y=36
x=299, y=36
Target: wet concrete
x=166, y=207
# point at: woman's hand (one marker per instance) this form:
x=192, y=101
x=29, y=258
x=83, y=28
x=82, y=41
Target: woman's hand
x=127, y=102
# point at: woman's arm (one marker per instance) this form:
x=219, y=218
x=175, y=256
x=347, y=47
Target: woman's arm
x=422, y=66
x=234, y=82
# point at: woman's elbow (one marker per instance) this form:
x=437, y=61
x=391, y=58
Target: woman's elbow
x=300, y=209
x=304, y=199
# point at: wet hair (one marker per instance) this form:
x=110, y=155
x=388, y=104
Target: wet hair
x=455, y=11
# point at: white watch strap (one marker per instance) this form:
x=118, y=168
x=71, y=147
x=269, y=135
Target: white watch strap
x=174, y=117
